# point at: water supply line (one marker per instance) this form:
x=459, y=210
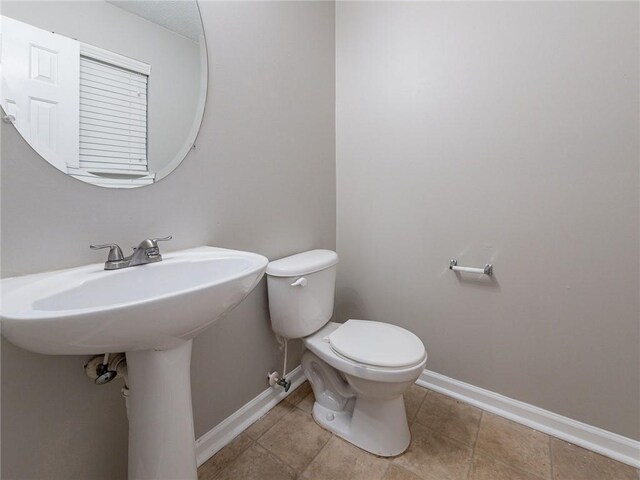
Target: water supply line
x=274, y=378
x=284, y=365
x=104, y=368
x=283, y=382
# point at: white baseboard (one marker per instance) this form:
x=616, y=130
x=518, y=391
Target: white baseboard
x=596, y=439
x=220, y=435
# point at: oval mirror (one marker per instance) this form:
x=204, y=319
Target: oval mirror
x=110, y=92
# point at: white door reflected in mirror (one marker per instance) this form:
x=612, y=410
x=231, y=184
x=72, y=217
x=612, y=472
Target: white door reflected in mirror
x=91, y=85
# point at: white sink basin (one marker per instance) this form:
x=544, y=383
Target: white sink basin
x=88, y=310
x=151, y=312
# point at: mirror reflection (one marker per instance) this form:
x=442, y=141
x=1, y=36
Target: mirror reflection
x=109, y=92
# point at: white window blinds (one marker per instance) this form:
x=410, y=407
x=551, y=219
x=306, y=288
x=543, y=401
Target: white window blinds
x=113, y=119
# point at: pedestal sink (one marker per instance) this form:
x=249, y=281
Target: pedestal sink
x=151, y=312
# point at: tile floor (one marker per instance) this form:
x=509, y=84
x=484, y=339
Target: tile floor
x=450, y=441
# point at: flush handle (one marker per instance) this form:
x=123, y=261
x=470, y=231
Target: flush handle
x=301, y=282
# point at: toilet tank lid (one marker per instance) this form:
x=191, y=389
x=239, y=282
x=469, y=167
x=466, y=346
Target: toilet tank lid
x=302, y=263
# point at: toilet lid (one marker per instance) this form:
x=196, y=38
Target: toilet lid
x=377, y=344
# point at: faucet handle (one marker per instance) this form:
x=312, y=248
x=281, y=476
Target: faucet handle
x=163, y=239
x=115, y=252
x=152, y=242
x=150, y=246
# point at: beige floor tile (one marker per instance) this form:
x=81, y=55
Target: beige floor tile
x=486, y=468
x=516, y=445
x=398, y=473
x=574, y=463
x=434, y=456
x=295, y=439
x=450, y=417
x=224, y=457
x=413, y=397
x=290, y=442
x=306, y=404
x=341, y=460
x=256, y=430
x=256, y=463
x=299, y=393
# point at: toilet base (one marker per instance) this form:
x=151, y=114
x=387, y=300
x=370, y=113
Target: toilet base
x=368, y=413
x=378, y=426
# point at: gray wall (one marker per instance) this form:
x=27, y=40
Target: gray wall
x=261, y=179
x=505, y=133
x=452, y=142
x=174, y=83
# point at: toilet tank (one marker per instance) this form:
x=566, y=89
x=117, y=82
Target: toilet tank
x=301, y=292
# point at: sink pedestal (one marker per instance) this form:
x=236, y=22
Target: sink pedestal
x=161, y=434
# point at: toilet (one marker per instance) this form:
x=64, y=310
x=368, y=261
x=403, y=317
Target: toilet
x=358, y=370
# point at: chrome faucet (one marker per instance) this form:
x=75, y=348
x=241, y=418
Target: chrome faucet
x=146, y=252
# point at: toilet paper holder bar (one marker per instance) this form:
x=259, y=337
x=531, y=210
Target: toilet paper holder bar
x=486, y=270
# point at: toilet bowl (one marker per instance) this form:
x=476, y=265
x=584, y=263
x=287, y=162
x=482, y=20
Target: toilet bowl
x=363, y=402
x=358, y=370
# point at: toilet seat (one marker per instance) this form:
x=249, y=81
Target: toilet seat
x=377, y=344
x=319, y=344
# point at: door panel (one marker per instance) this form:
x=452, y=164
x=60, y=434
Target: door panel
x=40, y=89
